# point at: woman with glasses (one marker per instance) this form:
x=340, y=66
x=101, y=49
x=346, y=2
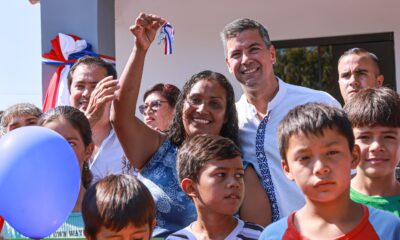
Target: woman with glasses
x=206, y=105
x=159, y=106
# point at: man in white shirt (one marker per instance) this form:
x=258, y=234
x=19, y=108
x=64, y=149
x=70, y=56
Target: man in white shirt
x=92, y=84
x=250, y=56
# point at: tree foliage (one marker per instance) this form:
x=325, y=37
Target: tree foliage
x=309, y=67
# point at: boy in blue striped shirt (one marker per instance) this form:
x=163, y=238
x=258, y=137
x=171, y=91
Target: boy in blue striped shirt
x=211, y=172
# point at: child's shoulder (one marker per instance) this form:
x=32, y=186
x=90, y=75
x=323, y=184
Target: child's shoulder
x=184, y=233
x=276, y=230
x=384, y=223
x=243, y=230
x=376, y=224
x=390, y=204
x=248, y=230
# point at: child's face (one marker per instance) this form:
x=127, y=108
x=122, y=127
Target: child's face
x=220, y=188
x=72, y=135
x=130, y=232
x=380, y=150
x=20, y=121
x=320, y=165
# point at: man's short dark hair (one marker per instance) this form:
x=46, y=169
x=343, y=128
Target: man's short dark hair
x=91, y=60
x=374, y=106
x=237, y=26
x=198, y=150
x=116, y=201
x=361, y=51
x=313, y=118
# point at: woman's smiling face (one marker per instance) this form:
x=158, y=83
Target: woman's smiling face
x=204, y=109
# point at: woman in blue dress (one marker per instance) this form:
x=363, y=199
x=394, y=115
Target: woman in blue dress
x=206, y=105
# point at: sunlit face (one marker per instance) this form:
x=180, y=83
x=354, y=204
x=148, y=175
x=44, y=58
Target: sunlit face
x=250, y=60
x=320, y=165
x=130, y=232
x=20, y=121
x=357, y=71
x=157, y=113
x=84, y=81
x=380, y=150
x=72, y=135
x=204, y=108
x=220, y=187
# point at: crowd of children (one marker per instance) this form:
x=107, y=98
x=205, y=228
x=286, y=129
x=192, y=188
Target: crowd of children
x=319, y=145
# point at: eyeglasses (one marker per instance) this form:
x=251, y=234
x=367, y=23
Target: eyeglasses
x=153, y=105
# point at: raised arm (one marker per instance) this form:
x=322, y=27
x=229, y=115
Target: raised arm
x=138, y=141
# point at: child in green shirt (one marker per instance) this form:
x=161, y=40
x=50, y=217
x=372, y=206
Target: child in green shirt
x=375, y=117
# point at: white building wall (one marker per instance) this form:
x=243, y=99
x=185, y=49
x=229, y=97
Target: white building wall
x=198, y=23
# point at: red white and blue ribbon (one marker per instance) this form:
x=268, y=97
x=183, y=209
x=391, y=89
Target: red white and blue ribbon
x=167, y=35
x=67, y=49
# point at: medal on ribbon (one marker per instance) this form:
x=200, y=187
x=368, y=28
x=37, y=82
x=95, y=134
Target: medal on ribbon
x=166, y=35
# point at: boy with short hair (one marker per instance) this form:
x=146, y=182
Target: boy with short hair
x=316, y=143
x=118, y=206
x=210, y=171
x=375, y=116
x=19, y=115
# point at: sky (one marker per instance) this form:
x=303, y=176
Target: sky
x=20, y=46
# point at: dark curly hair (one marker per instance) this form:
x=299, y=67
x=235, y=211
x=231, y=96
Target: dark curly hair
x=230, y=129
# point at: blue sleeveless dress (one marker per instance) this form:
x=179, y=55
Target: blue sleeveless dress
x=174, y=209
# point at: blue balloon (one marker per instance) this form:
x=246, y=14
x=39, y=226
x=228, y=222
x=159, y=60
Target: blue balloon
x=39, y=180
